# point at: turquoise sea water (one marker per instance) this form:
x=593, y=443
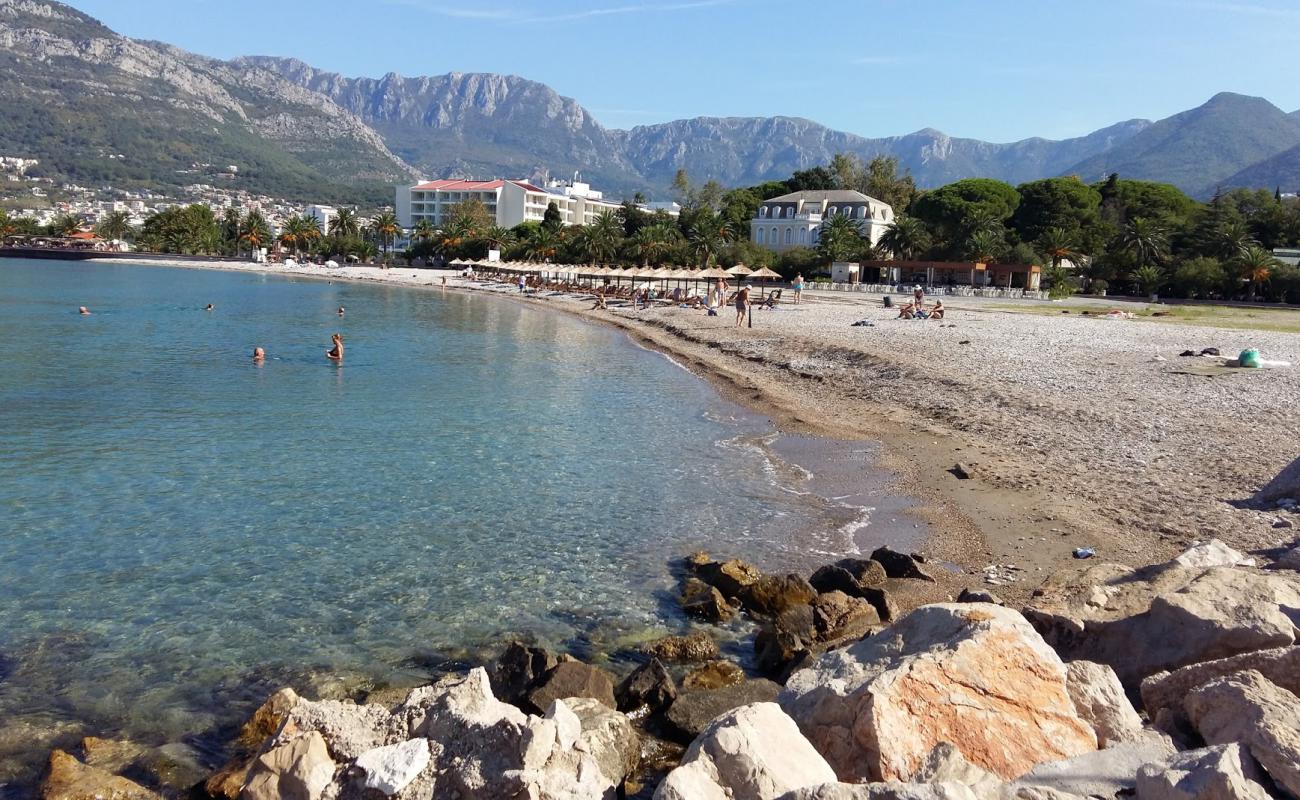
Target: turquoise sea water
x=181, y=529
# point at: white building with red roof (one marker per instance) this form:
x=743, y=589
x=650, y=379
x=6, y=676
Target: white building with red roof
x=509, y=201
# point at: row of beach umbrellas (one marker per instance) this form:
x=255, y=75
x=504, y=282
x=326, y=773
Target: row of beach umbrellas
x=616, y=273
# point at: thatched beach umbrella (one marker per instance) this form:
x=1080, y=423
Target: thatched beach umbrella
x=764, y=275
x=740, y=270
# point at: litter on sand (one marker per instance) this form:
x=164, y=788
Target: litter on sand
x=1084, y=552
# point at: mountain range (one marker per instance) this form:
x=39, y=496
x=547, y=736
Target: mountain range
x=98, y=108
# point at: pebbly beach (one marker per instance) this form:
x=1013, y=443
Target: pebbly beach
x=1102, y=596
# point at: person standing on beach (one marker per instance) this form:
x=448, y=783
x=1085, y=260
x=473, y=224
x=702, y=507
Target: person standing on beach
x=797, y=285
x=336, y=353
x=742, y=304
x=523, y=283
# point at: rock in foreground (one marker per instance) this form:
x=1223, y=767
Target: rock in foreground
x=975, y=675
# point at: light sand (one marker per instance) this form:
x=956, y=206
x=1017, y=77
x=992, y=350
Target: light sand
x=1078, y=431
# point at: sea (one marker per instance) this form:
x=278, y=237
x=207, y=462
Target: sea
x=183, y=530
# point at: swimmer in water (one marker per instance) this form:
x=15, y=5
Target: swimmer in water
x=83, y=311
x=259, y=355
x=336, y=353
x=340, y=311
x=209, y=308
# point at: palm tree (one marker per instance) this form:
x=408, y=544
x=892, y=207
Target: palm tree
x=542, y=244
x=117, y=225
x=64, y=225
x=498, y=238
x=1255, y=264
x=296, y=234
x=1146, y=239
x=7, y=225
x=708, y=236
x=839, y=239
x=1058, y=245
x=423, y=231
x=1148, y=279
x=606, y=236
x=905, y=238
x=985, y=246
x=653, y=242
x=344, y=225
x=386, y=227
x=254, y=231
x=1234, y=238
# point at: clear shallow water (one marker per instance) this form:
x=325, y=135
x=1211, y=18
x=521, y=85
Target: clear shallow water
x=180, y=529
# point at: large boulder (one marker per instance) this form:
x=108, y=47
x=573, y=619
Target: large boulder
x=1162, y=617
x=705, y=602
x=849, y=575
x=649, y=686
x=1221, y=772
x=695, y=709
x=694, y=646
x=1246, y=707
x=730, y=577
x=975, y=675
x=299, y=769
x=900, y=565
x=755, y=752
x=608, y=737
x=67, y=778
x=1099, y=698
x=772, y=594
x=518, y=668
x=1164, y=692
x=1212, y=553
x=1109, y=774
x=570, y=679
x=837, y=615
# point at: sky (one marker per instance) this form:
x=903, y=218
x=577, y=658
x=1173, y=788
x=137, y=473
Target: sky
x=998, y=70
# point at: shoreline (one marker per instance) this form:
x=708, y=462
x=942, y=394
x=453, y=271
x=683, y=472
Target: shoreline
x=967, y=528
x=1079, y=436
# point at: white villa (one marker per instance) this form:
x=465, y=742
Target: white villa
x=509, y=201
x=795, y=220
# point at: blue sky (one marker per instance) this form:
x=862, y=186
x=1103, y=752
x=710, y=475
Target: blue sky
x=998, y=70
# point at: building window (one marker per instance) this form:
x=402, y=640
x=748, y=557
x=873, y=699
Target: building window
x=833, y=210
x=762, y=212
x=789, y=235
x=862, y=213
x=803, y=236
x=761, y=235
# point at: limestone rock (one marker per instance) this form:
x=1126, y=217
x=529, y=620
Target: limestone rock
x=1163, y=693
x=1099, y=698
x=608, y=737
x=1163, y=617
x=705, y=602
x=754, y=752
x=571, y=679
x=297, y=770
x=946, y=764
x=1222, y=772
x=1212, y=553
x=889, y=790
x=268, y=718
x=975, y=675
x=649, y=686
x=713, y=675
x=771, y=594
x=900, y=565
x=518, y=668
x=391, y=768
x=695, y=646
x=347, y=728
x=730, y=577
x=1246, y=707
x=849, y=575
x=68, y=779
x=695, y=709
x=1109, y=774
x=836, y=615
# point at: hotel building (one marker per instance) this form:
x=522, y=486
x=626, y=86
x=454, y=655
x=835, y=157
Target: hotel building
x=795, y=220
x=510, y=202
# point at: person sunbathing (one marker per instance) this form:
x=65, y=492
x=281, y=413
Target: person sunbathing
x=937, y=311
x=600, y=303
x=907, y=312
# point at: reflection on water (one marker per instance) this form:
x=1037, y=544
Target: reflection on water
x=181, y=529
